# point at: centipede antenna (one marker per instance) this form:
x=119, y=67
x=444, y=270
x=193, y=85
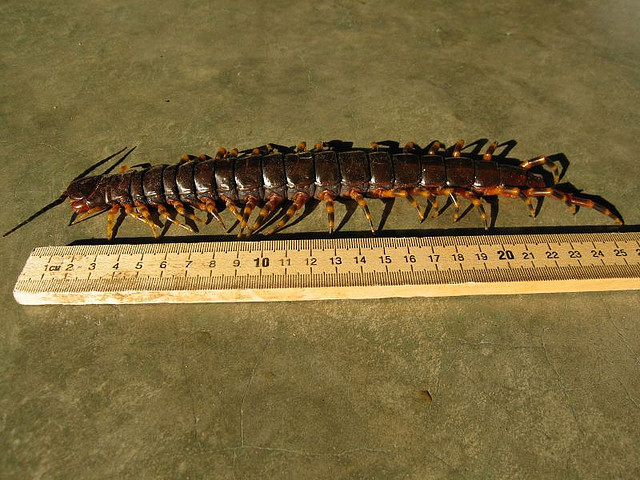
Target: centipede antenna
x=63, y=197
x=55, y=203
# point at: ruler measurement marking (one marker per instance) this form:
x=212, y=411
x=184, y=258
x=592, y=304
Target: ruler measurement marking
x=199, y=275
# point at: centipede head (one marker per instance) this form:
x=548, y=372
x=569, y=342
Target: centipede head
x=79, y=190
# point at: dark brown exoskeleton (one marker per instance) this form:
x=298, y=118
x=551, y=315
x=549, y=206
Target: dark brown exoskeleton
x=272, y=176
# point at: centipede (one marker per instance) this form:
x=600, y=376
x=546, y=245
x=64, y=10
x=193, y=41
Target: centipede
x=274, y=178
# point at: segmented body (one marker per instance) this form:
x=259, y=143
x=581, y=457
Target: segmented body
x=269, y=176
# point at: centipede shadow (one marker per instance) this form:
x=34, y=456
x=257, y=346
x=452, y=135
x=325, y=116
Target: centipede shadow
x=420, y=233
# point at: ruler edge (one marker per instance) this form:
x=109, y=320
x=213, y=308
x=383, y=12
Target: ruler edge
x=330, y=293
x=513, y=287
x=248, y=246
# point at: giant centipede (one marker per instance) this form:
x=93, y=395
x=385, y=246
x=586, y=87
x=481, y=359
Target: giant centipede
x=274, y=177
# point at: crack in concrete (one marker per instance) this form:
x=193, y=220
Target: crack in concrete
x=192, y=402
x=455, y=470
x=304, y=453
x=245, y=446
x=500, y=405
x=563, y=387
x=624, y=387
x=617, y=329
x=248, y=387
x=506, y=346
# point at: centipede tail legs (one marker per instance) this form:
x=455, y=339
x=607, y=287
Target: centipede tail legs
x=573, y=201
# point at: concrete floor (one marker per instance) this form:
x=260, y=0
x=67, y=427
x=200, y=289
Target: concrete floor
x=520, y=386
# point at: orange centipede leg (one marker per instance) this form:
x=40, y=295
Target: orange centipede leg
x=489, y=153
x=111, y=220
x=573, y=201
x=179, y=206
x=233, y=208
x=248, y=208
x=88, y=213
x=542, y=160
x=329, y=199
x=511, y=192
x=129, y=210
x=299, y=200
x=164, y=213
x=362, y=203
x=477, y=203
x=402, y=194
x=272, y=203
x=431, y=198
x=210, y=207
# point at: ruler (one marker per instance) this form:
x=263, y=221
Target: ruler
x=284, y=270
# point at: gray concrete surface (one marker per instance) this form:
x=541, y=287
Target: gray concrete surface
x=520, y=386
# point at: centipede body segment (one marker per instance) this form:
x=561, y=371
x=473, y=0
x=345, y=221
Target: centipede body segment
x=269, y=178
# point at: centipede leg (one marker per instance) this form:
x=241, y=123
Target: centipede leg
x=433, y=200
x=111, y=220
x=129, y=210
x=210, y=207
x=573, y=201
x=432, y=197
x=449, y=192
x=164, y=214
x=557, y=194
x=179, y=206
x=528, y=203
x=456, y=206
x=584, y=202
x=357, y=196
x=92, y=211
x=144, y=211
x=542, y=160
x=477, y=203
x=265, y=211
x=513, y=192
x=298, y=202
x=434, y=146
x=248, y=208
x=329, y=201
x=489, y=153
x=233, y=208
x=402, y=194
x=457, y=147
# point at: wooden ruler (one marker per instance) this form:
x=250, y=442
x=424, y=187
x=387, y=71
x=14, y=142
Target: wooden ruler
x=330, y=269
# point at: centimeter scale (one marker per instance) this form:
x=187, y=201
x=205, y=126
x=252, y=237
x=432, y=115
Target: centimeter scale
x=283, y=270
